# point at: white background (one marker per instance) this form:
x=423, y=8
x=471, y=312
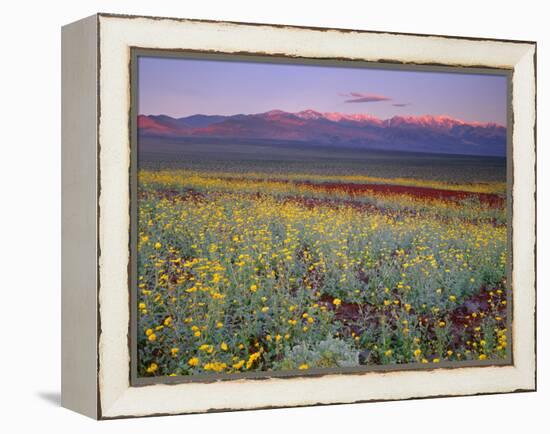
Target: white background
x=30, y=216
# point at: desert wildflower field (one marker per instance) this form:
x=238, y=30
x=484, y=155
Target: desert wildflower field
x=259, y=270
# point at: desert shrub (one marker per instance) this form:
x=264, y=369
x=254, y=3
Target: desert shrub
x=328, y=353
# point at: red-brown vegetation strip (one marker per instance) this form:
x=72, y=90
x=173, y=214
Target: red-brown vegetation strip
x=420, y=192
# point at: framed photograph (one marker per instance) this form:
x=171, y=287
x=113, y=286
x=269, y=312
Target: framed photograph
x=261, y=216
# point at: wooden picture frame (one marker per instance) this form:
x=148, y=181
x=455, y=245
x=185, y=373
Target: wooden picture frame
x=98, y=141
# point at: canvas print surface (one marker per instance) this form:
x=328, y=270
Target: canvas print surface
x=309, y=218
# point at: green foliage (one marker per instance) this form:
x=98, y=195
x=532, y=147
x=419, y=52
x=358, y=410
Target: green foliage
x=328, y=353
x=259, y=278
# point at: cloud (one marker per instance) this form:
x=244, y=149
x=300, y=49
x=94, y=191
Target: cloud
x=364, y=97
x=401, y=104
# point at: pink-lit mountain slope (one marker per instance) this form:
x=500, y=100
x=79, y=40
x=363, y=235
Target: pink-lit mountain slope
x=437, y=134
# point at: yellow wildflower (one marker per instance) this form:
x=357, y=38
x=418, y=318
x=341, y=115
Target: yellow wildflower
x=206, y=348
x=252, y=358
x=239, y=364
x=153, y=367
x=215, y=366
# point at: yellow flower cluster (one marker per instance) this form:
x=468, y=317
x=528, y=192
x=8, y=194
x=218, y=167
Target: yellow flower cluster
x=235, y=271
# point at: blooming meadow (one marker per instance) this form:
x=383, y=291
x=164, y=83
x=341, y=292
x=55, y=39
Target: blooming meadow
x=243, y=271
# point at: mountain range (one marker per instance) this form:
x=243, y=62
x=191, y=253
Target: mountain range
x=434, y=134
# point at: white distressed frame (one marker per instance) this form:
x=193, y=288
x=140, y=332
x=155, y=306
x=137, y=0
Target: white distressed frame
x=116, y=35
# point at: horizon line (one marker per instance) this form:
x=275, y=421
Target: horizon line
x=343, y=114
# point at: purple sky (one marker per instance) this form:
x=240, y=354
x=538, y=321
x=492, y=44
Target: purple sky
x=182, y=87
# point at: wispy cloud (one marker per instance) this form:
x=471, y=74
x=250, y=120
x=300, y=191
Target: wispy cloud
x=364, y=97
x=401, y=104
